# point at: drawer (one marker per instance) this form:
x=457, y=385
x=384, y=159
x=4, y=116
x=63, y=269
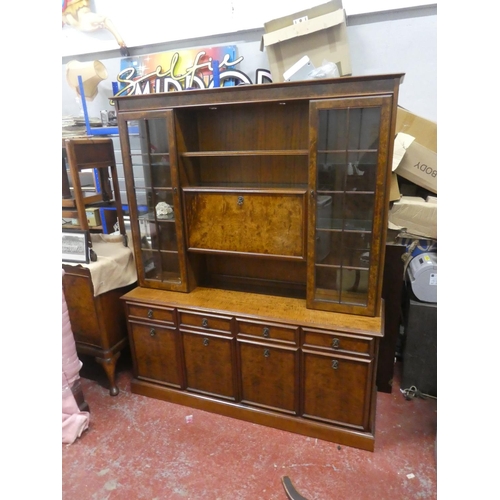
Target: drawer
x=206, y=322
x=267, y=331
x=153, y=313
x=339, y=342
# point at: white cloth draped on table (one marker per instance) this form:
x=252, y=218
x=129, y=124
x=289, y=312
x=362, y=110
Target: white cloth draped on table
x=115, y=265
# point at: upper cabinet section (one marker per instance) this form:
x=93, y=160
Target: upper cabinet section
x=276, y=188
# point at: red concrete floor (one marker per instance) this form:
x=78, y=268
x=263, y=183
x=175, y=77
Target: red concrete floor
x=141, y=448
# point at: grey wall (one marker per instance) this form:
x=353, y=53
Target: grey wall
x=399, y=41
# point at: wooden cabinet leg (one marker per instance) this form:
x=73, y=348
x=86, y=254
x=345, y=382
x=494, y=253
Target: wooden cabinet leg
x=109, y=365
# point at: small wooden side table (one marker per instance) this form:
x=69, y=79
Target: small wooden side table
x=98, y=322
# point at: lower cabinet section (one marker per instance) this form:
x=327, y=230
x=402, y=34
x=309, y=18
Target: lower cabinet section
x=264, y=359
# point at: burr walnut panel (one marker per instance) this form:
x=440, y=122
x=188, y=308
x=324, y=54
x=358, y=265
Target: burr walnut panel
x=263, y=223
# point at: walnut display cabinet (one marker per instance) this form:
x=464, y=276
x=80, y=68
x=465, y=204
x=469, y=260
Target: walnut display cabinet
x=260, y=284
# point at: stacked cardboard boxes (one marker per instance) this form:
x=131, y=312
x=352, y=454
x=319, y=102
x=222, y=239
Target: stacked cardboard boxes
x=320, y=34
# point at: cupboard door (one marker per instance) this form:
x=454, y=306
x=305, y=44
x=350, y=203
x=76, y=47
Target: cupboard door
x=349, y=171
x=336, y=389
x=268, y=376
x=156, y=353
x=209, y=366
x=150, y=164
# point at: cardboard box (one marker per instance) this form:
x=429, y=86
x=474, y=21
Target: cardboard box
x=415, y=149
x=394, y=193
x=319, y=33
x=415, y=215
x=93, y=217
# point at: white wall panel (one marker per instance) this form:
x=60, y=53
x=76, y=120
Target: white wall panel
x=384, y=41
x=157, y=21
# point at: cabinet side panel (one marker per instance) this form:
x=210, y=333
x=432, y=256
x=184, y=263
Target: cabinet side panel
x=79, y=294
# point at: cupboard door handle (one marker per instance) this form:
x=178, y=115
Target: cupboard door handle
x=312, y=193
x=335, y=364
x=265, y=332
x=205, y=341
x=266, y=353
x=240, y=200
x=150, y=313
x=204, y=322
x=175, y=190
x=335, y=343
x=152, y=332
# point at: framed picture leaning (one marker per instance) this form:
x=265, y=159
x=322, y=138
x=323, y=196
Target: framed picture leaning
x=75, y=246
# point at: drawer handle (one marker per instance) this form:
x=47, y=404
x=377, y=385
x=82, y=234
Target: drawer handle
x=335, y=343
x=204, y=322
x=265, y=332
x=152, y=332
x=205, y=341
x=150, y=313
x=335, y=364
x=266, y=353
x=240, y=200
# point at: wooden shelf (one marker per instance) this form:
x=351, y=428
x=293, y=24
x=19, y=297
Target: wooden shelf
x=289, y=152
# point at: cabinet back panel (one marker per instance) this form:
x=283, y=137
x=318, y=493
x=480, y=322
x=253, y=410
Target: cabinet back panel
x=247, y=127
x=253, y=274
x=186, y=131
x=249, y=171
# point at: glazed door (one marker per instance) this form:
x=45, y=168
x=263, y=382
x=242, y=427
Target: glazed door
x=150, y=164
x=349, y=169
